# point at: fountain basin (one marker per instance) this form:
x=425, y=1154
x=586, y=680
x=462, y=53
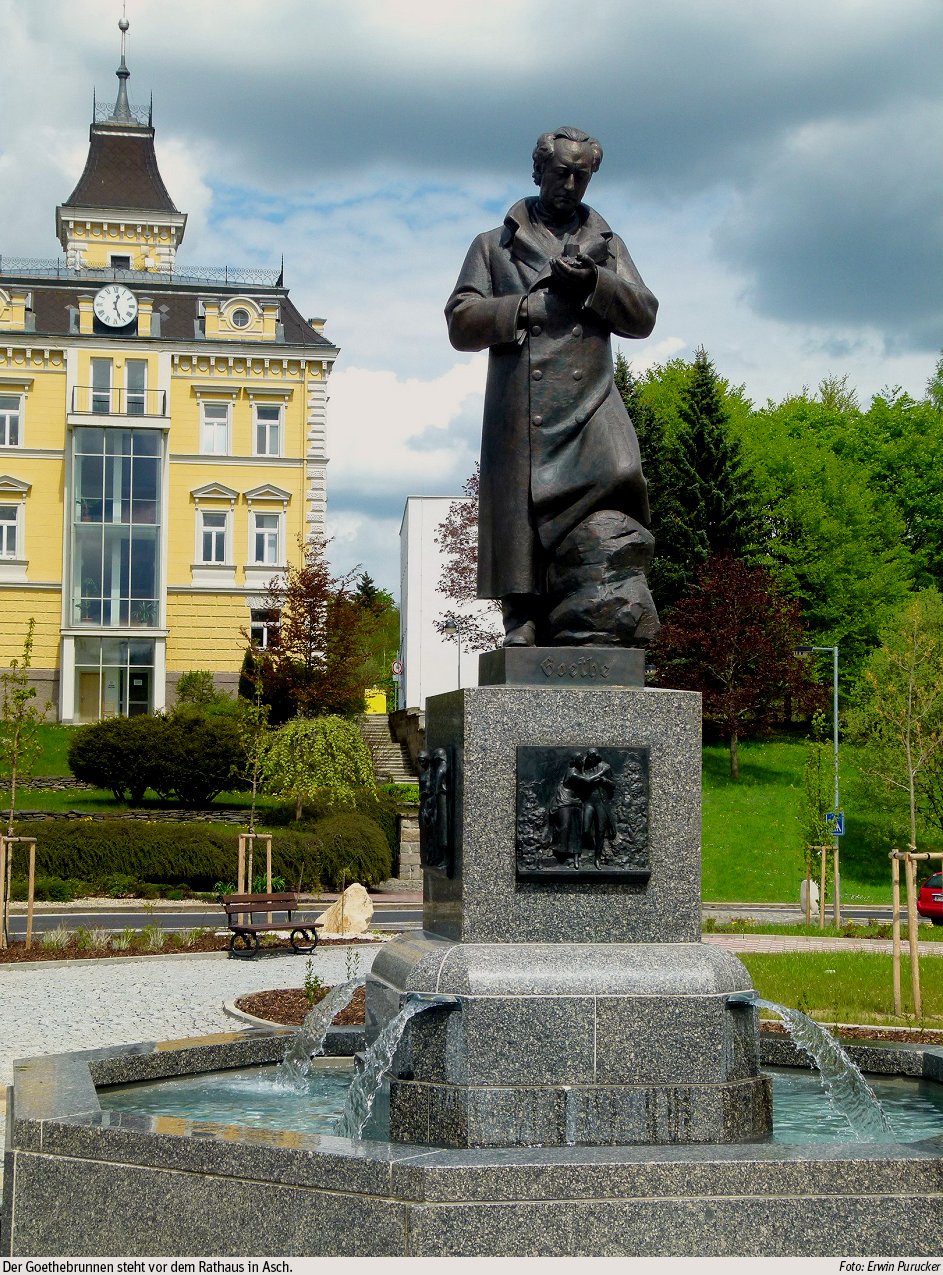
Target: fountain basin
x=79, y=1180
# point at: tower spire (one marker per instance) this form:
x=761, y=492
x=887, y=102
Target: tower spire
x=122, y=112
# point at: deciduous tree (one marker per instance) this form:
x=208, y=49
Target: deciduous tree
x=733, y=638
x=312, y=757
x=314, y=662
x=457, y=537
x=898, y=715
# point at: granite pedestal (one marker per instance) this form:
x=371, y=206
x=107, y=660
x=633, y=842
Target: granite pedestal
x=589, y=1011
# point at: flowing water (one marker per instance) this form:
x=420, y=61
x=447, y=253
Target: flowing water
x=848, y=1092
x=248, y=1096
x=295, y=1068
x=376, y=1063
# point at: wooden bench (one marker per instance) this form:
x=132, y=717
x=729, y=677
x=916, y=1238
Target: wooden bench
x=247, y=915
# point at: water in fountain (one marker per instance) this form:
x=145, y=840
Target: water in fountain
x=376, y=1062
x=848, y=1091
x=295, y=1068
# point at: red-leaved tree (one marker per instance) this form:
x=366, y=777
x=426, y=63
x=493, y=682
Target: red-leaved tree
x=457, y=537
x=733, y=638
x=314, y=661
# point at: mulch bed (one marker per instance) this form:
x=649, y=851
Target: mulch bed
x=18, y=951
x=289, y=1005
x=892, y=1034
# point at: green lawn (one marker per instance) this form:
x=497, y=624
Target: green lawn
x=55, y=747
x=752, y=845
x=845, y=987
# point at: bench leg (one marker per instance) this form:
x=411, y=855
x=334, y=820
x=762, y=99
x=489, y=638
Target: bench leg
x=243, y=943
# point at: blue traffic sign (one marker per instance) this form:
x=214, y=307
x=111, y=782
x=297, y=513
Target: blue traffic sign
x=836, y=822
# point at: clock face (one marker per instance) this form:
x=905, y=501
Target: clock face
x=115, y=305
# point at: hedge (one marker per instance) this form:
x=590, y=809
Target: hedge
x=197, y=855
x=352, y=848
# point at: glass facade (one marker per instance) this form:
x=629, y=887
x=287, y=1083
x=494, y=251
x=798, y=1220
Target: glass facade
x=114, y=677
x=116, y=527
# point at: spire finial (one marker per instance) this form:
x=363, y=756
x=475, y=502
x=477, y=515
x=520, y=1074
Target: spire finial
x=122, y=112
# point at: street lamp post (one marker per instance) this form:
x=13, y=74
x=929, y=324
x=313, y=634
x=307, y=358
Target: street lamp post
x=453, y=628
x=806, y=650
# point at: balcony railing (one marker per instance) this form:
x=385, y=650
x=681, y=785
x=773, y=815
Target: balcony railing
x=56, y=268
x=118, y=401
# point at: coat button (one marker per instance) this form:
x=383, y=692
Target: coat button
x=581, y=419
x=536, y=330
x=577, y=375
x=537, y=420
x=538, y=375
x=577, y=331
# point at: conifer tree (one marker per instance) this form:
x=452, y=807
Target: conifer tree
x=721, y=502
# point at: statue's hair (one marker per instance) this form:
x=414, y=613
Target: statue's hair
x=544, y=148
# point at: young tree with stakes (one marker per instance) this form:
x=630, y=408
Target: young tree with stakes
x=20, y=720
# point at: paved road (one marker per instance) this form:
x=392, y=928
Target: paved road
x=388, y=916
x=398, y=915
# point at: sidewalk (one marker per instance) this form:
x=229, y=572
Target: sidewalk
x=809, y=943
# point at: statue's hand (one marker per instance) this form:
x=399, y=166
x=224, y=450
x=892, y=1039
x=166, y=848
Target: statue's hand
x=574, y=275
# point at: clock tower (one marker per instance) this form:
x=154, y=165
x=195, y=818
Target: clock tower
x=120, y=213
x=162, y=441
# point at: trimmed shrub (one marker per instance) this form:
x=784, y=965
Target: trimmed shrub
x=190, y=755
x=172, y=854
x=201, y=756
x=352, y=848
x=377, y=804
x=121, y=754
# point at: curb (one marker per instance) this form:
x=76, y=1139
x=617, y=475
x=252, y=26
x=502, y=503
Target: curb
x=229, y=1007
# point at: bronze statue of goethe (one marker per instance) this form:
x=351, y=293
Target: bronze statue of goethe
x=563, y=509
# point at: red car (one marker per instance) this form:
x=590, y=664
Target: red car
x=930, y=899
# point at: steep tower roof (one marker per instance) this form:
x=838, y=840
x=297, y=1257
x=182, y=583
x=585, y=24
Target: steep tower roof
x=121, y=174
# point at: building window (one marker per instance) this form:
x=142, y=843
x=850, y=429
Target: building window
x=266, y=539
x=9, y=531
x=214, y=432
x=101, y=386
x=114, y=677
x=136, y=381
x=11, y=411
x=268, y=430
x=240, y=318
x=264, y=623
x=116, y=527
x=120, y=263
x=213, y=536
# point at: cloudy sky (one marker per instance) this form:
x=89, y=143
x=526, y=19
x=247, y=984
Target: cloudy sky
x=776, y=169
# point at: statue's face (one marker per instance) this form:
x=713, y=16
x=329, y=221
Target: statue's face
x=564, y=179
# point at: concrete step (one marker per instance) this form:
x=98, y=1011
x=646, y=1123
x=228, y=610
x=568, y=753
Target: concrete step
x=391, y=763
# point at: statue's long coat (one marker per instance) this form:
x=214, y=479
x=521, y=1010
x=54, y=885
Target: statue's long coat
x=557, y=443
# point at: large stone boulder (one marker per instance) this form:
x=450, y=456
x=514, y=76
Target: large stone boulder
x=350, y=914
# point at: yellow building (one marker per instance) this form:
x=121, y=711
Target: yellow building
x=162, y=442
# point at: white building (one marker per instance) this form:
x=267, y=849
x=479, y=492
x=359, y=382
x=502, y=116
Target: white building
x=430, y=661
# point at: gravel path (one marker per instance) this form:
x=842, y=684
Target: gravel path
x=59, y=1006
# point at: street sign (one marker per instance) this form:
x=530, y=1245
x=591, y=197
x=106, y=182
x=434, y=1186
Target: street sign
x=836, y=822
x=396, y=668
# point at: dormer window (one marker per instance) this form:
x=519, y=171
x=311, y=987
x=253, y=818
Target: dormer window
x=240, y=318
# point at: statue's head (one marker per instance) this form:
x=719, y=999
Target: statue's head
x=564, y=161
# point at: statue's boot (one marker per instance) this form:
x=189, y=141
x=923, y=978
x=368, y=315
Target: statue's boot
x=520, y=628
